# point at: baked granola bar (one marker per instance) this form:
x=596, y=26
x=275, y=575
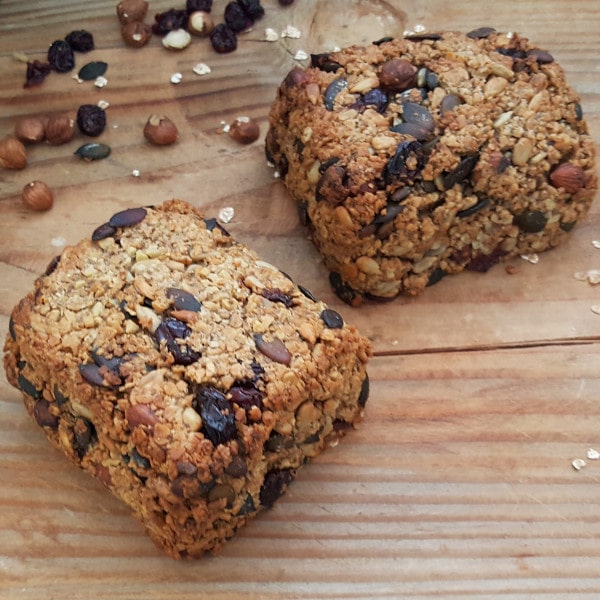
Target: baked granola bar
x=190, y=377
x=415, y=158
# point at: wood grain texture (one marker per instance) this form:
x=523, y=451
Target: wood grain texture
x=458, y=484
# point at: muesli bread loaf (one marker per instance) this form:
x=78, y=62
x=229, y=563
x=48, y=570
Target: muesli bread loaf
x=415, y=158
x=190, y=377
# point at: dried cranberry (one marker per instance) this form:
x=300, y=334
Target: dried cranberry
x=223, y=39
x=84, y=435
x=236, y=19
x=91, y=119
x=252, y=8
x=278, y=296
x=44, y=416
x=397, y=168
x=218, y=420
x=196, y=5
x=80, y=41
x=376, y=99
x=36, y=73
x=246, y=395
x=171, y=330
x=169, y=20
x=274, y=485
x=61, y=57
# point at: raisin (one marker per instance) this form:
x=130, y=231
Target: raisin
x=80, y=41
x=36, y=73
x=198, y=5
x=236, y=18
x=278, y=296
x=407, y=162
x=52, y=265
x=218, y=420
x=170, y=20
x=169, y=331
x=223, y=39
x=61, y=57
x=43, y=415
x=252, y=8
x=84, y=434
x=246, y=395
x=274, y=485
x=91, y=119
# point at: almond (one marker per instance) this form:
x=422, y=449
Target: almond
x=160, y=131
x=60, y=129
x=30, y=130
x=568, y=176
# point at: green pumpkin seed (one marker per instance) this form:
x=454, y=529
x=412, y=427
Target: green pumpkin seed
x=92, y=70
x=92, y=151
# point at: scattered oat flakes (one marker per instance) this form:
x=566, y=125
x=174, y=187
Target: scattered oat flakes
x=77, y=78
x=534, y=259
x=176, y=78
x=135, y=172
x=578, y=464
x=226, y=214
x=103, y=104
x=101, y=82
x=419, y=28
x=58, y=242
x=20, y=57
x=592, y=276
x=291, y=32
x=271, y=35
x=595, y=309
x=596, y=244
x=593, y=454
x=301, y=55
x=224, y=127
x=202, y=69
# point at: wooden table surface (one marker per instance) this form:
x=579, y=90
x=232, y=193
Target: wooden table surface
x=459, y=483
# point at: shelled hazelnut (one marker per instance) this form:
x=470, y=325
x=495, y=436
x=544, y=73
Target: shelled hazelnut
x=60, y=129
x=36, y=195
x=160, y=130
x=136, y=34
x=13, y=154
x=30, y=130
x=130, y=11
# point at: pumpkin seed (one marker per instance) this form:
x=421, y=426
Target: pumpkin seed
x=333, y=89
x=92, y=70
x=417, y=114
x=450, y=102
x=480, y=33
x=92, y=151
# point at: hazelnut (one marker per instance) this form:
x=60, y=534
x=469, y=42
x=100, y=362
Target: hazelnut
x=177, y=39
x=200, y=23
x=244, y=130
x=136, y=34
x=30, y=130
x=568, y=176
x=129, y=11
x=13, y=154
x=160, y=130
x=36, y=195
x=60, y=129
x=397, y=75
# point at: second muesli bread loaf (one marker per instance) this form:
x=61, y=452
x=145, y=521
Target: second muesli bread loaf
x=415, y=158
x=190, y=377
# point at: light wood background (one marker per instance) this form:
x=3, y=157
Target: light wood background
x=458, y=484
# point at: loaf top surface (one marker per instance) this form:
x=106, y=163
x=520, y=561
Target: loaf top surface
x=162, y=303
x=428, y=154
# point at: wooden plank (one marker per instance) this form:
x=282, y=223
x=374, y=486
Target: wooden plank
x=459, y=481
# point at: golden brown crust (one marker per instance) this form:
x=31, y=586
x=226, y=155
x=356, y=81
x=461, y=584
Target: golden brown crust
x=189, y=376
x=416, y=158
